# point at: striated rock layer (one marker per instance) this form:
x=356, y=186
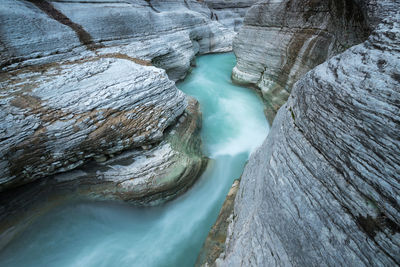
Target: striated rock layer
x=81, y=79
x=89, y=107
x=145, y=176
x=282, y=40
x=229, y=13
x=57, y=118
x=324, y=189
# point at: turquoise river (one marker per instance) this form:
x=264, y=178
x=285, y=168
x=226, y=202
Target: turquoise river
x=104, y=234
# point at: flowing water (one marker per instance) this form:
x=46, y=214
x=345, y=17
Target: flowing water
x=104, y=234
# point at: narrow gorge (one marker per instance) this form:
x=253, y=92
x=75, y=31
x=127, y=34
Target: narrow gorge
x=104, y=233
x=121, y=136
x=323, y=189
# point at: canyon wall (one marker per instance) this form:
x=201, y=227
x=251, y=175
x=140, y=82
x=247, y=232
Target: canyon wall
x=324, y=188
x=282, y=40
x=229, y=13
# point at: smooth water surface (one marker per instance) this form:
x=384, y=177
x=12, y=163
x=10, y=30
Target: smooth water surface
x=104, y=234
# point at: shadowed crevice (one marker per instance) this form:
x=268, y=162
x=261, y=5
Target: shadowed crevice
x=151, y=6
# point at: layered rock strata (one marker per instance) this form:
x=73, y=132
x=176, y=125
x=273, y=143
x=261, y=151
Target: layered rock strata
x=324, y=187
x=93, y=81
x=81, y=80
x=59, y=117
x=169, y=33
x=229, y=13
x=143, y=176
x=282, y=40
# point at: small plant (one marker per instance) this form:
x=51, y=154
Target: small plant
x=292, y=113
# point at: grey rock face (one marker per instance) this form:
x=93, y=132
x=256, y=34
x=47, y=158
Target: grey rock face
x=144, y=176
x=81, y=79
x=324, y=189
x=56, y=119
x=89, y=107
x=229, y=13
x=168, y=32
x=282, y=40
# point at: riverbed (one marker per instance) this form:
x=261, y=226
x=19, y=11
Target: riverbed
x=108, y=234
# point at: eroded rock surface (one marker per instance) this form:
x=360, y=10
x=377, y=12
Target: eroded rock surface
x=282, y=40
x=89, y=106
x=144, y=176
x=324, y=189
x=57, y=118
x=82, y=79
x=229, y=13
x=168, y=32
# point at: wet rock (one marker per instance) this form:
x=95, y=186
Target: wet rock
x=215, y=242
x=139, y=177
x=158, y=174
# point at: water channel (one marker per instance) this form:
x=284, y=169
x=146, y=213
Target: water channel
x=105, y=234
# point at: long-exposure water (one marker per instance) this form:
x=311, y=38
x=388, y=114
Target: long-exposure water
x=105, y=234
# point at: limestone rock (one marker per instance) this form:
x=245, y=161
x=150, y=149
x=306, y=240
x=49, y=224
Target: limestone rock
x=160, y=173
x=58, y=118
x=169, y=33
x=324, y=189
x=282, y=40
x=141, y=177
x=229, y=13
x=81, y=79
x=89, y=107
